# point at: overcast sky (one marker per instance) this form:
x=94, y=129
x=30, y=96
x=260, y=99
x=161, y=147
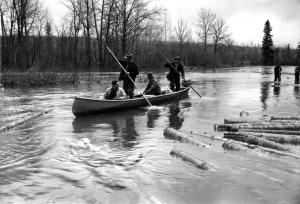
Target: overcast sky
x=245, y=18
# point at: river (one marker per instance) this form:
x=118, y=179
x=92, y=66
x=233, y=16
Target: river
x=124, y=157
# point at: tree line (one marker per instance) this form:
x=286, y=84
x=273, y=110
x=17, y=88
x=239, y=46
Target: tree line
x=31, y=41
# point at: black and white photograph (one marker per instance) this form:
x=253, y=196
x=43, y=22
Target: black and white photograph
x=149, y=102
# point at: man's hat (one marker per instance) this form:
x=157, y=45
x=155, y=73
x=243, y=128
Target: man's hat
x=150, y=75
x=177, y=58
x=129, y=56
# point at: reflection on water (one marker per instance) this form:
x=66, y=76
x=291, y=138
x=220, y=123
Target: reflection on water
x=122, y=125
x=152, y=116
x=276, y=91
x=175, y=118
x=297, y=91
x=264, y=90
x=124, y=131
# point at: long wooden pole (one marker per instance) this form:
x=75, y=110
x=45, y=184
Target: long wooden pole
x=1, y=85
x=178, y=72
x=0, y=59
x=112, y=54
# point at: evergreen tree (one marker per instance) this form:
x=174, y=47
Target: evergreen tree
x=267, y=45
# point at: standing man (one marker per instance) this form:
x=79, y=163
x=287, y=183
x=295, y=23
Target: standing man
x=131, y=71
x=277, y=73
x=176, y=68
x=297, y=74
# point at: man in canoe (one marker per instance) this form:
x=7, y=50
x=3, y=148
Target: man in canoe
x=152, y=88
x=115, y=92
x=129, y=76
x=176, y=69
x=277, y=73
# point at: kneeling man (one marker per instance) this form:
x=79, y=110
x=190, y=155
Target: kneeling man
x=115, y=92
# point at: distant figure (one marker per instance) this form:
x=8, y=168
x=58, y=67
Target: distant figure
x=115, y=92
x=297, y=73
x=244, y=114
x=152, y=88
x=176, y=68
x=131, y=71
x=277, y=73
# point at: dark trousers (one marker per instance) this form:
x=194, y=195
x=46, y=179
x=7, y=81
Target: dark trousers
x=175, y=85
x=129, y=91
x=296, y=78
x=277, y=77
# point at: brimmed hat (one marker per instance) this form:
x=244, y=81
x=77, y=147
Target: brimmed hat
x=150, y=75
x=177, y=58
x=129, y=56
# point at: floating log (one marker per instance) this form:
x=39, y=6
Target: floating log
x=176, y=135
x=22, y=121
x=238, y=146
x=278, y=138
x=212, y=137
x=285, y=132
x=226, y=127
x=285, y=121
x=268, y=126
x=240, y=120
x=255, y=141
x=190, y=158
x=231, y=145
x=285, y=118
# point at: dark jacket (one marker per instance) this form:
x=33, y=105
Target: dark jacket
x=152, y=88
x=174, y=71
x=297, y=70
x=132, y=68
x=277, y=70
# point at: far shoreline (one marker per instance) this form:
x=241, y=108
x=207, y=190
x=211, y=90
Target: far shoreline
x=48, y=78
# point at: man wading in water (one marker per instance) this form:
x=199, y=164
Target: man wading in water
x=176, y=68
x=131, y=71
x=277, y=73
x=297, y=74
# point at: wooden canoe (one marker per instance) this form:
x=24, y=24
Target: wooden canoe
x=86, y=106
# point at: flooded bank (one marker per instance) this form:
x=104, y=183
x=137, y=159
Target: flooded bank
x=42, y=79
x=124, y=157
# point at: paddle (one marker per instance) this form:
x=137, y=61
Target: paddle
x=112, y=54
x=178, y=72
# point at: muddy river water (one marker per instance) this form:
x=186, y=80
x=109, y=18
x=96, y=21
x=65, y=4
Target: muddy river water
x=123, y=157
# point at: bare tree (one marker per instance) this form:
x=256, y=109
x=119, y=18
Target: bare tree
x=109, y=16
x=85, y=16
x=181, y=31
x=134, y=15
x=61, y=44
x=220, y=33
x=205, y=23
x=3, y=26
x=75, y=27
x=81, y=10
x=26, y=12
x=98, y=11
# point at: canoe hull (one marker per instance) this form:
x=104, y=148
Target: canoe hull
x=85, y=106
